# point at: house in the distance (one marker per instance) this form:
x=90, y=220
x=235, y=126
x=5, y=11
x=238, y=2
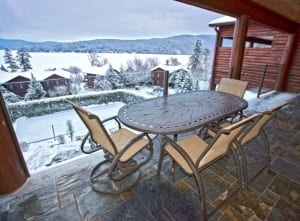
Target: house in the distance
x=158, y=73
x=90, y=74
x=18, y=82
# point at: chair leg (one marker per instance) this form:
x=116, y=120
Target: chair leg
x=244, y=164
x=238, y=168
x=202, y=198
x=161, y=157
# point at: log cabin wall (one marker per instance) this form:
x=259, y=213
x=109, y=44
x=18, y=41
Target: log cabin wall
x=255, y=59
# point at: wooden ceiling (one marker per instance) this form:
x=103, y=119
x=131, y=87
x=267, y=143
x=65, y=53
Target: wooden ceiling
x=286, y=8
x=279, y=14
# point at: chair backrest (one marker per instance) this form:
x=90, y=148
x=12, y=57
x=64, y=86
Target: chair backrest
x=233, y=86
x=257, y=127
x=223, y=140
x=98, y=133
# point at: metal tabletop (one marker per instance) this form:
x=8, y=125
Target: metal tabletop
x=180, y=113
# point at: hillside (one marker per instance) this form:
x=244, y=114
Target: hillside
x=181, y=44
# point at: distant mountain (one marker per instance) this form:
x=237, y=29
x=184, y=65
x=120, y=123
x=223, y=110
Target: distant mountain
x=181, y=44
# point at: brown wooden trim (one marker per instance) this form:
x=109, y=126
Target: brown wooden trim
x=238, y=47
x=286, y=63
x=212, y=84
x=13, y=170
x=254, y=11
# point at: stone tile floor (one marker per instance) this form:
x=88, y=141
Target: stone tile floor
x=62, y=192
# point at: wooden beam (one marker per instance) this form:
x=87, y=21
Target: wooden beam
x=256, y=12
x=13, y=170
x=238, y=47
x=286, y=62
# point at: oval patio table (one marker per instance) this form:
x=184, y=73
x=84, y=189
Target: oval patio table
x=180, y=113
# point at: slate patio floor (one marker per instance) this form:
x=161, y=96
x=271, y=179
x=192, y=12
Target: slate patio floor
x=62, y=192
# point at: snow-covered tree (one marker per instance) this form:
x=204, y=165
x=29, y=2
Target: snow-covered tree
x=75, y=78
x=59, y=90
x=198, y=61
x=183, y=81
x=114, y=78
x=10, y=60
x=23, y=59
x=35, y=90
x=8, y=96
x=102, y=84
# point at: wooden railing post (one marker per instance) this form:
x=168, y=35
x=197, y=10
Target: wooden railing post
x=166, y=83
x=262, y=80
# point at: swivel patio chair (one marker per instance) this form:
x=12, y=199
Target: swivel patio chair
x=193, y=154
x=251, y=133
x=124, y=153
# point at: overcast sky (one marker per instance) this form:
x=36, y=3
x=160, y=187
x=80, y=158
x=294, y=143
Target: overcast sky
x=69, y=20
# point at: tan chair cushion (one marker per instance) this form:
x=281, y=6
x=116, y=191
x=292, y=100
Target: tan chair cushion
x=193, y=146
x=122, y=137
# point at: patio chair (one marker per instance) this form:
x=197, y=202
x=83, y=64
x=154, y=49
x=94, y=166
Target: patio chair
x=124, y=153
x=193, y=154
x=234, y=87
x=251, y=133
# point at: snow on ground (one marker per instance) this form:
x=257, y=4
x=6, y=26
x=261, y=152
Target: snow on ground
x=39, y=155
x=41, y=60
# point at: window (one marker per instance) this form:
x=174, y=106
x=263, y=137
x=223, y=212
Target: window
x=251, y=42
x=226, y=42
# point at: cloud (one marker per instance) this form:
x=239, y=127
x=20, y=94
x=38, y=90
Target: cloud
x=66, y=20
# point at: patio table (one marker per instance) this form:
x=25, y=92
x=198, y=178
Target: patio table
x=180, y=113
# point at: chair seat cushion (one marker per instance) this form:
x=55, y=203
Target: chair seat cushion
x=193, y=146
x=122, y=137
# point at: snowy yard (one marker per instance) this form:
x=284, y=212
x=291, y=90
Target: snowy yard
x=39, y=155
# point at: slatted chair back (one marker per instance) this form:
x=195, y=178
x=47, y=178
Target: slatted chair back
x=233, y=86
x=223, y=140
x=97, y=131
x=256, y=128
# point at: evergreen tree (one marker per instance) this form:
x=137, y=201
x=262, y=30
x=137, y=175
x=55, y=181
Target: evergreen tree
x=8, y=96
x=35, y=90
x=198, y=61
x=183, y=81
x=102, y=84
x=23, y=59
x=114, y=77
x=10, y=60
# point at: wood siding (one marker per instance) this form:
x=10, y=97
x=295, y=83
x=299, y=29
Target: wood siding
x=255, y=59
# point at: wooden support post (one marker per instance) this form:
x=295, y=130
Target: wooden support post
x=285, y=63
x=13, y=170
x=238, y=47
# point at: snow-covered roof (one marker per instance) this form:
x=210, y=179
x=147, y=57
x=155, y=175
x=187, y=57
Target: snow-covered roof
x=170, y=68
x=96, y=70
x=39, y=75
x=222, y=21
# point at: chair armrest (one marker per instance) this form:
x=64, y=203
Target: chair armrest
x=112, y=118
x=85, y=138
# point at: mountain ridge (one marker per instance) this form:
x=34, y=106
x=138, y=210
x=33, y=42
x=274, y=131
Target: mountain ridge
x=178, y=44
